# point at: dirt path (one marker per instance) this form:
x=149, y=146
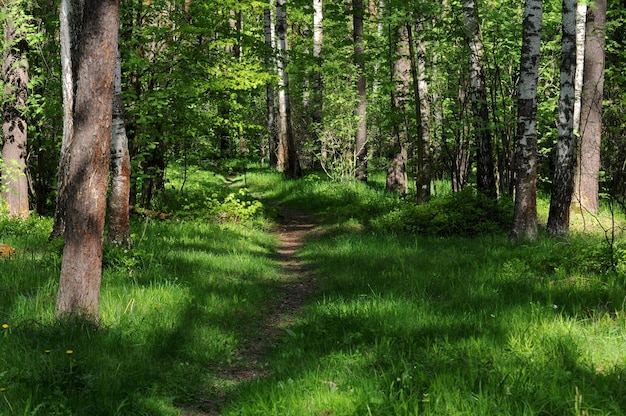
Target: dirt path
x=292, y=290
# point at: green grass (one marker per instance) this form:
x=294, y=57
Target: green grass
x=402, y=323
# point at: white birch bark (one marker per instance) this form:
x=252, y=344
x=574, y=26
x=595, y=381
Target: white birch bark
x=119, y=231
x=287, y=156
x=485, y=175
x=565, y=156
x=525, y=214
x=586, y=186
x=581, y=18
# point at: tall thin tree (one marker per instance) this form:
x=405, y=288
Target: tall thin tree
x=588, y=168
x=525, y=213
x=396, y=180
x=119, y=227
x=14, y=125
x=287, y=154
x=270, y=93
x=485, y=167
x=565, y=155
x=92, y=30
x=358, y=12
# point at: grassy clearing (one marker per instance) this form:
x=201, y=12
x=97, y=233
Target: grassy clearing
x=402, y=323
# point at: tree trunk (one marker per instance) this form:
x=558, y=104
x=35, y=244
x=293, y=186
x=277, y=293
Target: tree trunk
x=119, y=228
x=287, y=155
x=581, y=18
x=565, y=157
x=318, y=38
x=69, y=40
x=485, y=175
x=14, y=128
x=422, y=114
x=401, y=76
x=358, y=11
x=525, y=215
x=588, y=167
x=95, y=24
x=272, y=146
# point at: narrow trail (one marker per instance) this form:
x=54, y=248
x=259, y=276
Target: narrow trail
x=295, y=285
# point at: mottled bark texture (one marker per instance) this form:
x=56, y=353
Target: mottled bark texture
x=270, y=93
x=525, y=214
x=93, y=30
x=422, y=113
x=485, y=167
x=287, y=154
x=565, y=155
x=119, y=227
x=14, y=127
x=401, y=75
x=358, y=10
x=588, y=167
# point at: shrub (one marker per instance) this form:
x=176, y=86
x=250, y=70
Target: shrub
x=465, y=213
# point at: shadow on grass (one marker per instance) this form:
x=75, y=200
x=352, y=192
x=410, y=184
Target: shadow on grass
x=446, y=326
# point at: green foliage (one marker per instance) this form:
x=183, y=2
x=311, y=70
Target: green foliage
x=466, y=213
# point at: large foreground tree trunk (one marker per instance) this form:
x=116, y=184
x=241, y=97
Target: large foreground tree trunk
x=525, y=215
x=93, y=31
x=565, y=156
x=14, y=128
x=588, y=167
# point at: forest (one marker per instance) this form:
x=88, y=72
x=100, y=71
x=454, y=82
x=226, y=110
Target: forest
x=317, y=207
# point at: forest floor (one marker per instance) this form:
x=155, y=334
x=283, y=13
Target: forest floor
x=295, y=285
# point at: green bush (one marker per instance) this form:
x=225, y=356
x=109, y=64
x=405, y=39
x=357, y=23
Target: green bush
x=465, y=213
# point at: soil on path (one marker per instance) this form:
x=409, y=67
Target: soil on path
x=291, y=291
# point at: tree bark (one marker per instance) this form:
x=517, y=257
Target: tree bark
x=588, y=168
x=358, y=11
x=525, y=214
x=288, y=161
x=565, y=156
x=401, y=76
x=485, y=175
x=14, y=126
x=581, y=18
x=422, y=113
x=69, y=13
x=94, y=25
x=119, y=227
x=272, y=146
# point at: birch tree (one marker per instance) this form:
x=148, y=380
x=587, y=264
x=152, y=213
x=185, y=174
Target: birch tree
x=358, y=10
x=565, y=155
x=588, y=167
x=485, y=176
x=525, y=213
x=422, y=110
x=270, y=63
x=287, y=155
x=119, y=229
x=401, y=75
x=90, y=30
x=14, y=126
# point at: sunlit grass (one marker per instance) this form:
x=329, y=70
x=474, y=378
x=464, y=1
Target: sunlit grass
x=401, y=324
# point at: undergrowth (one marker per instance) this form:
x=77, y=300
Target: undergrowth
x=428, y=310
